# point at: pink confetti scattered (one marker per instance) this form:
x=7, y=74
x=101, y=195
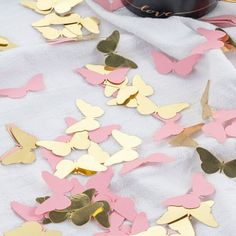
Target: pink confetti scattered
x=58, y=200
x=34, y=85
x=102, y=134
x=216, y=128
x=110, y=5
x=213, y=40
x=169, y=129
x=200, y=189
x=165, y=65
x=231, y=129
x=116, y=77
x=222, y=21
x=152, y=159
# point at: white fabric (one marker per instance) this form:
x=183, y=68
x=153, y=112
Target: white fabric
x=42, y=113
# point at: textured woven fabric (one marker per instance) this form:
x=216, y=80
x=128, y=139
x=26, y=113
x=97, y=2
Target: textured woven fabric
x=42, y=113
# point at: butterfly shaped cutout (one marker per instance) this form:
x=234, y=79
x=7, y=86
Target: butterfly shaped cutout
x=170, y=128
x=213, y=41
x=32, y=228
x=116, y=76
x=128, y=152
x=200, y=190
x=165, y=65
x=219, y=127
x=79, y=141
x=85, y=165
x=211, y=164
x=155, y=158
x=88, y=123
x=108, y=47
x=44, y=7
x=153, y=231
x=222, y=21
x=110, y=5
x=25, y=145
x=179, y=218
x=58, y=200
x=35, y=84
x=185, y=139
x=5, y=44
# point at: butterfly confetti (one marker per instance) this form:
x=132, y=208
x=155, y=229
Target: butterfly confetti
x=200, y=190
x=89, y=122
x=220, y=127
x=128, y=152
x=155, y=158
x=211, y=164
x=32, y=228
x=229, y=43
x=170, y=128
x=5, y=44
x=108, y=47
x=166, y=65
x=185, y=139
x=213, y=40
x=206, y=109
x=222, y=21
x=179, y=218
x=35, y=84
x=25, y=145
x=110, y=5
x=61, y=7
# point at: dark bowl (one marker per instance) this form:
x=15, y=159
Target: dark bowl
x=166, y=8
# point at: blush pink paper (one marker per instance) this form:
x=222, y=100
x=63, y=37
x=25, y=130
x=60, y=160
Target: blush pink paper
x=140, y=224
x=200, y=190
x=169, y=129
x=34, y=85
x=155, y=158
x=222, y=21
x=213, y=40
x=25, y=212
x=58, y=200
x=231, y=129
x=110, y=5
x=102, y=134
x=216, y=128
x=117, y=76
x=165, y=65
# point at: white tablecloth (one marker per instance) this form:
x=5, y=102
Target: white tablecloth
x=42, y=113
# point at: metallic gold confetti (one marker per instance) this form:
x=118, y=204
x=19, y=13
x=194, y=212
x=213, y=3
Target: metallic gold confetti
x=5, y=44
x=211, y=164
x=206, y=109
x=23, y=152
x=185, y=139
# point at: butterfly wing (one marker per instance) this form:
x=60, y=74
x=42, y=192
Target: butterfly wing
x=13, y=92
x=210, y=164
x=91, y=77
x=36, y=83
x=126, y=140
x=63, y=7
x=144, y=89
x=125, y=94
x=57, y=148
x=163, y=64
x=231, y=129
x=211, y=34
x=64, y=168
x=230, y=169
x=49, y=32
x=185, y=67
x=118, y=76
x=98, y=153
x=109, y=45
x=89, y=110
x=80, y=141
x=183, y=227
x=154, y=231
x=145, y=105
x=140, y=224
x=170, y=111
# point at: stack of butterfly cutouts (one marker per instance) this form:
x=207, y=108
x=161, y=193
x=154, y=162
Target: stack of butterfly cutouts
x=72, y=26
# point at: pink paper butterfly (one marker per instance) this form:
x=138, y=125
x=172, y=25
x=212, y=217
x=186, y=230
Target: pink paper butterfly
x=165, y=65
x=200, y=189
x=155, y=158
x=58, y=200
x=231, y=129
x=25, y=212
x=216, y=128
x=116, y=77
x=110, y=5
x=102, y=134
x=34, y=85
x=213, y=40
x=222, y=21
x=170, y=128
